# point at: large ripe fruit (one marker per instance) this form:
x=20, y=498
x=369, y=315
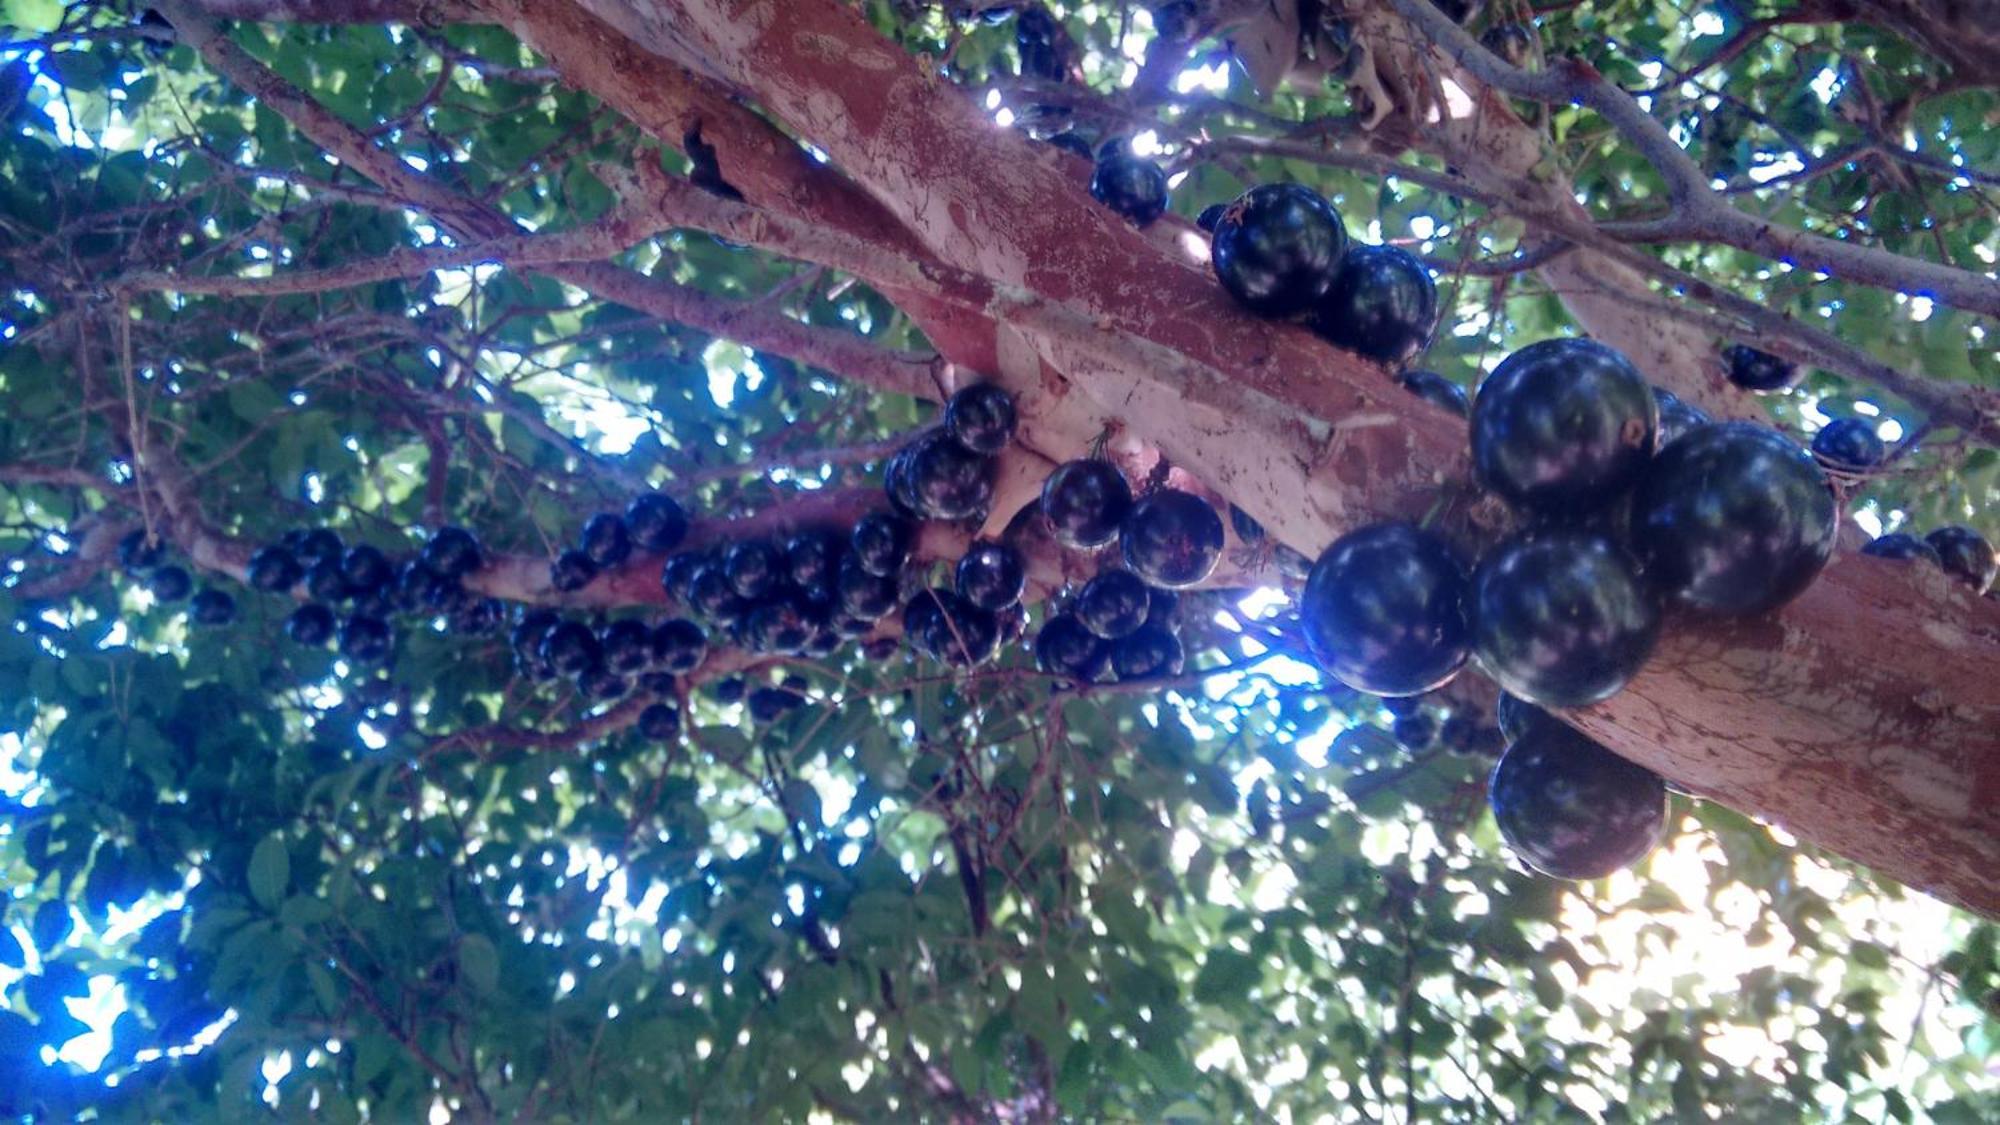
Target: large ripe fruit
x=1676, y=417
x=139, y=554
x=627, y=646
x=1065, y=648
x=1897, y=545
x=812, y=561
x=314, y=545
x=949, y=481
x=660, y=722
x=310, y=624
x=769, y=704
x=754, y=567
x=1113, y=604
x=862, y=594
x=605, y=540
x=527, y=634
x=1516, y=715
x=1734, y=519
x=571, y=649
x=1085, y=502
x=1150, y=653
x=679, y=646
x=212, y=607
x=1965, y=555
x=366, y=568
x=1759, y=371
x=1245, y=526
x=656, y=523
x=1571, y=808
x=1162, y=609
x=1383, y=304
x=1172, y=539
x=274, y=570
x=1210, y=216
x=1415, y=732
x=1849, y=443
x=1439, y=391
x=365, y=639
x=602, y=685
x=452, y=552
x=991, y=576
x=477, y=617
x=948, y=628
x=880, y=543
x=326, y=580
x=710, y=595
x=1130, y=185
x=1276, y=248
x=783, y=624
x=980, y=417
x=679, y=570
x=572, y=571
x=1560, y=618
x=170, y=583
x=1561, y=427
x=1383, y=610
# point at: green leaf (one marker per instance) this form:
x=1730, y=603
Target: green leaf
x=32, y=15
x=270, y=871
x=1225, y=976
x=480, y=962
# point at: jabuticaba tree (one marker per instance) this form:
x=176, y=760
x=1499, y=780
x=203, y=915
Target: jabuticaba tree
x=670, y=559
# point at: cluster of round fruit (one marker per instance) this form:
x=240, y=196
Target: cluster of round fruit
x=609, y=662
x=144, y=556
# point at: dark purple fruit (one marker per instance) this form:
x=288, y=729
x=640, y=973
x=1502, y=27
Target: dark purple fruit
x=627, y=646
x=679, y=570
x=1151, y=653
x=1161, y=609
x=991, y=576
x=602, y=685
x=1113, y=604
x=769, y=704
x=139, y=554
x=754, y=567
x=1246, y=526
x=949, y=481
x=316, y=544
x=274, y=570
x=660, y=722
x=1515, y=715
x=477, y=617
x=1383, y=610
x=1733, y=519
x=655, y=523
x=1759, y=371
x=571, y=649
x=170, y=583
x=366, y=568
x=1130, y=185
x=1561, y=427
x=1383, y=305
x=310, y=624
x=812, y=560
x=326, y=580
x=679, y=646
x=572, y=571
x=1210, y=216
x=1065, y=648
x=1439, y=391
x=1897, y=545
x=365, y=639
x=864, y=595
x=605, y=541
x=1277, y=247
x=452, y=552
x=526, y=637
x=783, y=624
x=881, y=543
x=1040, y=44
x=1085, y=502
x=1965, y=555
x=1511, y=41
x=212, y=607
x=980, y=417
x=1571, y=808
x=1849, y=443
x=1070, y=142
x=1676, y=417
x=710, y=595
x=1172, y=539
x=1415, y=732
x=948, y=628
x=728, y=690
x=1560, y=618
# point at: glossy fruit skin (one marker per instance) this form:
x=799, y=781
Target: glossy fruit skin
x=1849, y=443
x=1516, y=715
x=316, y=544
x=1113, y=604
x=1965, y=555
x=1383, y=610
x=1150, y=653
x=572, y=571
x=950, y=629
x=1439, y=391
x=1130, y=185
x=477, y=617
x=812, y=560
x=1561, y=618
x=627, y=646
x=1897, y=545
x=679, y=570
x=1415, y=732
x=991, y=576
x=170, y=583
x=365, y=639
x=1163, y=609
x=602, y=685
x=1511, y=41
x=660, y=722
x=782, y=624
x=656, y=523
x=605, y=541
x=1383, y=305
x=679, y=646
x=1065, y=648
x=949, y=481
x=769, y=704
x=212, y=607
x=366, y=568
x=729, y=690
x=1210, y=216
x=310, y=624
x=1676, y=417
x=1733, y=519
x=862, y=594
x=1277, y=247
x=881, y=543
x=274, y=570
x=526, y=636
x=326, y=581
x=1572, y=809
x=138, y=555
x=1245, y=526
x=571, y=649
x=710, y=594
x=1759, y=371
x=452, y=552
x=1085, y=501
x=1561, y=427
x=980, y=418
x=754, y=568
x=1172, y=539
